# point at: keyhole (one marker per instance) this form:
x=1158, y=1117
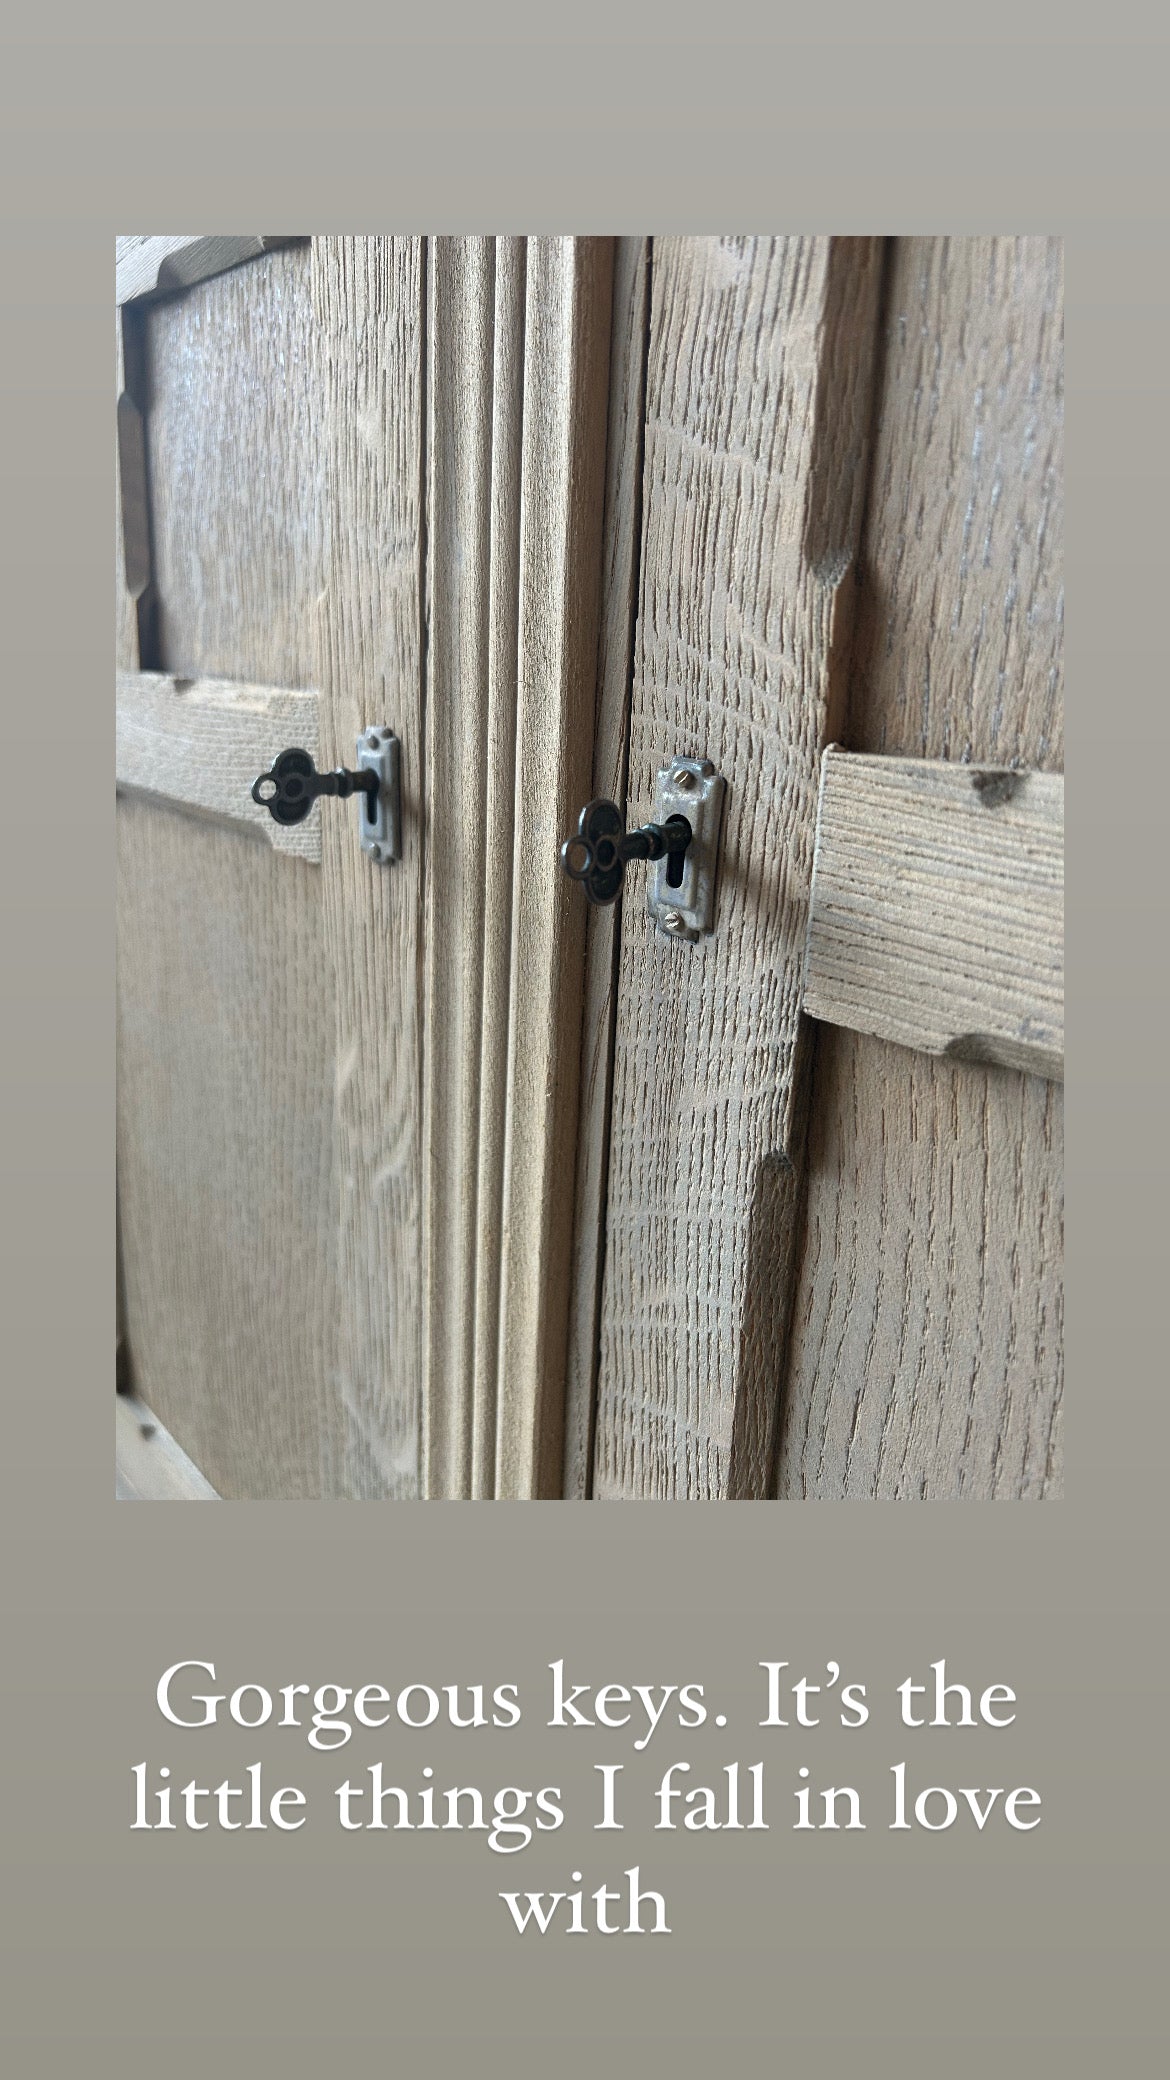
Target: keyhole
x=674, y=869
x=371, y=805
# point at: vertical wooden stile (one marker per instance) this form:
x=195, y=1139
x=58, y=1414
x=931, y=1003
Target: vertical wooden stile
x=619, y=601
x=461, y=318
x=367, y=297
x=499, y=824
x=566, y=358
x=925, y=1359
x=757, y=414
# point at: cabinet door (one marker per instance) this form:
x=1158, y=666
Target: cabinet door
x=832, y=1264
x=360, y=487
x=269, y=1154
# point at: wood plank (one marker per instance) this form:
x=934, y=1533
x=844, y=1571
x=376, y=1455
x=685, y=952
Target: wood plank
x=149, y=1465
x=566, y=364
x=157, y=266
x=757, y=410
x=227, y=1035
x=619, y=602
x=937, y=910
x=926, y=1354
x=511, y=270
x=368, y=310
x=461, y=308
x=239, y=491
x=225, y=1130
x=200, y=743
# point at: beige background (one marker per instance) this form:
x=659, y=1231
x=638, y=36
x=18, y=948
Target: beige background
x=831, y=1954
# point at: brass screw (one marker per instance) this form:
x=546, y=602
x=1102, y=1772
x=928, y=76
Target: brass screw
x=684, y=779
x=673, y=921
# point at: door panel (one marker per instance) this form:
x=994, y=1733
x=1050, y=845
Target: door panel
x=757, y=411
x=269, y=1072
x=430, y=1183
x=927, y=1332
x=225, y=1045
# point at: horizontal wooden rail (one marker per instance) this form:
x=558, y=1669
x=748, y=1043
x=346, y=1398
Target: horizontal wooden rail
x=937, y=909
x=149, y=266
x=201, y=743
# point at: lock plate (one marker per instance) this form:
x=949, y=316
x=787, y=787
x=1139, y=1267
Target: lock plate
x=692, y=788
x=379, y=751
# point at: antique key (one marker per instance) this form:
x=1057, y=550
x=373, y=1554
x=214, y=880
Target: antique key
x=681, y=843
x=292, y=783
x=597, y=855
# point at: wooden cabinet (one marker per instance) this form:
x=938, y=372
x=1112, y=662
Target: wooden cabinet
x=433, y=1182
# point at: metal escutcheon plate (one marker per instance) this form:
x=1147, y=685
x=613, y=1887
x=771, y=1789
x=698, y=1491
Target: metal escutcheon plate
x=692, y=788
x=379, y=751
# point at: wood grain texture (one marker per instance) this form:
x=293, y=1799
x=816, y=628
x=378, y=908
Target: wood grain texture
x=368, y=329
x=149, y=1465
x=226, y=1034
x=270, y=1071
x=937, y=910
x=461, y=314
x=239, y=492
x=566, y=363
x=148, y=266
x=511, y=270
x=757, y=406
x=225, y=1133
x=200, y=743
x=619, y=601
x=926, y=1354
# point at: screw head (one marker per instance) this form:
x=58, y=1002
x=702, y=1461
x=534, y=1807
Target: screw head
x=684, y=779
x=673, y=921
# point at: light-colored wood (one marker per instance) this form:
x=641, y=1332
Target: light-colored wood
x=461, y=305
x=937, y=910
x=225, y=1133
x=499, y=827
x=926, y=1343
x=227, y=1066
x=150, y=266
x=368, y=313
x=201, y=742
x=125, y=612
x=757, y=410
x=619, y=599
x=149, y=1465
x=566, y=362
x=270, y=1055
x=238, y=473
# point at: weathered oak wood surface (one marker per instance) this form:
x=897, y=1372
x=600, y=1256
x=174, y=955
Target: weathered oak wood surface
x=368, y=348
x=936, y=917
x=201, y=742
x=566, y=378
x=147, y=266
x=615, y=663
x=269, y=1129
x=926, y=1353
x=757, y=411
x=462, y=459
